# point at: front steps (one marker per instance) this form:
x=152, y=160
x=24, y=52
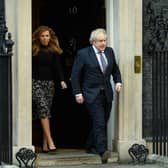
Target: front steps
x=69, y=157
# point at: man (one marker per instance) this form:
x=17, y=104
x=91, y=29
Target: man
x=90, y=78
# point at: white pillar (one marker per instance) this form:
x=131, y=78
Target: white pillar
x=130, y=99
x=18, y=20
x=112, y=37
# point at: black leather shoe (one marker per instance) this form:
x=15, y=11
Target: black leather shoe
x=105, y=156
x=91, y=151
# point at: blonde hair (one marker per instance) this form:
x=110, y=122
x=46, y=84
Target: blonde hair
x=53, y=44
x=95, y=33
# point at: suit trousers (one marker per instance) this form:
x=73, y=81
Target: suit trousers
x=99, y=112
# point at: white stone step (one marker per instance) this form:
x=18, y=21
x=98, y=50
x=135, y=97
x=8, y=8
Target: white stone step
x=70, y=157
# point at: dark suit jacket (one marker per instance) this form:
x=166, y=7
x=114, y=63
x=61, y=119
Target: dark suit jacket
x=87, y=77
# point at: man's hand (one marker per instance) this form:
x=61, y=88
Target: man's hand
x=118, y=87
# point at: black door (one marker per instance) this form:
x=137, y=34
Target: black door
x=72, y=20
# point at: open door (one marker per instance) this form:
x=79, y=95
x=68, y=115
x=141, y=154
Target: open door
x=72, y=21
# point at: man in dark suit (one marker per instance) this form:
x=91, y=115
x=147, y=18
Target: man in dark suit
x=91, y=84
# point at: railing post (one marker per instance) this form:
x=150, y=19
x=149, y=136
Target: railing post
x=5, y=90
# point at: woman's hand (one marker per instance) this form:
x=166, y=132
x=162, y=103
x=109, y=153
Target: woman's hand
x=63, y=85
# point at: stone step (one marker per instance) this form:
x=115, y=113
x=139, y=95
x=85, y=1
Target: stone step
x=69, y=157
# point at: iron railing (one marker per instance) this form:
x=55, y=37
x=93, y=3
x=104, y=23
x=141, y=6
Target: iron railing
x=5, y=90
x=160, y=102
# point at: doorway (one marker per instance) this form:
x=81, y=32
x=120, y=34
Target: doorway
x=72, y=22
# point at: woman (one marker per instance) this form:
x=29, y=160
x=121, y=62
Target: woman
x=46, y=68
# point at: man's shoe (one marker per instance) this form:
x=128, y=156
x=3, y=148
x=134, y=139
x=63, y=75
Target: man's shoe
x=105, y=156
x=91, y=151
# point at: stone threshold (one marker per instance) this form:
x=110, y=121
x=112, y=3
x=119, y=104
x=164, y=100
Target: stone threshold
x=70, y=157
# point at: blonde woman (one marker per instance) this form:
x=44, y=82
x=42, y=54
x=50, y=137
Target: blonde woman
x=46, y=68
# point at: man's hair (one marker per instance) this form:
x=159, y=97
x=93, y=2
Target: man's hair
x=95, y=33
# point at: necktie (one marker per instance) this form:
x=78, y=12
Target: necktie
x=103, y=62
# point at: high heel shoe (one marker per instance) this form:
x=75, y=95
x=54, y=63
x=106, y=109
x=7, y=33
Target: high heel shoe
x=45, y=151
x=53, y=150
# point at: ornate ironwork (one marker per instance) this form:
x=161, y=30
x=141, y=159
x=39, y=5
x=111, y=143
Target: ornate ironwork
x=26, y=157
x=138, y=153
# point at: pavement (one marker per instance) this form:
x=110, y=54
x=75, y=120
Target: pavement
x=108, y=165
x=112, y=165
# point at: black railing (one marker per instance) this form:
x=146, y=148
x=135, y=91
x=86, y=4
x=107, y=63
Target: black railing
x=5, y=90
x=160, y=102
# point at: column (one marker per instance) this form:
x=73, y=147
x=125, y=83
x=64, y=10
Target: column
x=130, y=99
x=112, y=38
x=19, y=24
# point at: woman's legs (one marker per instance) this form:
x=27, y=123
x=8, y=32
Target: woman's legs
x=43, y=93
x=48, y=143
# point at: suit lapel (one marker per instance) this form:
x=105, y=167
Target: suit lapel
x=109, y=59
x=93, y=57
x=107, y=56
